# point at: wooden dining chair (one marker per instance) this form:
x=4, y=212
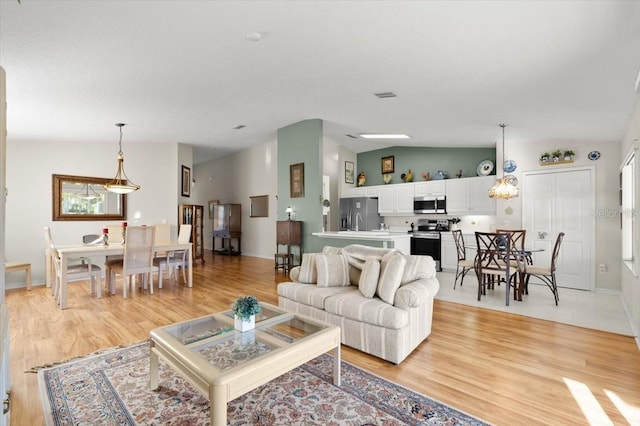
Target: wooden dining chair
x=464, y=265
x=518, y=237
x=490, y=266
x=137, y=259
x=546, y=275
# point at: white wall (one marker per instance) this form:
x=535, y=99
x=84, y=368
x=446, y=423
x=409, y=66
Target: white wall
x=631, y=283
x=235, y=178
x=608, y=238
x=29, y=204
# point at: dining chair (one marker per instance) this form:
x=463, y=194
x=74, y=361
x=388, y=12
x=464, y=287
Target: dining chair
x=172, y=260
x=490, y=266
x=137, y=259
x=80, y=269
x=464, y=265
x=546, y=275
x=518, y=237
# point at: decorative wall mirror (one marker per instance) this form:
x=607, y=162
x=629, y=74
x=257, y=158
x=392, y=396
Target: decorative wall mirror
x=259, y=206
x=84, y=198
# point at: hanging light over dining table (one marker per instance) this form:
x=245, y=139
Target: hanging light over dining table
x=503, y=189
x=121, y=183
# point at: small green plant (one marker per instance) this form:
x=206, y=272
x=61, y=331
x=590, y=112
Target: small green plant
x=544, y=157
x=245, y=306
x=556, y=153
x=569, y=153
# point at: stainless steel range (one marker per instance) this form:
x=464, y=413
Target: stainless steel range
x=425, y=240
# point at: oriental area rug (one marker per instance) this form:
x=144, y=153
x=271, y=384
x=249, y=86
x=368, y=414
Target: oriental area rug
x=112, y=388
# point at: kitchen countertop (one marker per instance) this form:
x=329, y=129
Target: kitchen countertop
x=364, y=235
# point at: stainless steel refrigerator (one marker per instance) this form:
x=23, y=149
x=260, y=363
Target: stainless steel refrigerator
x=359, y=214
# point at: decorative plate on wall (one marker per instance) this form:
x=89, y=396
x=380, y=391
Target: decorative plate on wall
x=511, y=180
x=594, y=155
x=484, y=168
x=509, y=166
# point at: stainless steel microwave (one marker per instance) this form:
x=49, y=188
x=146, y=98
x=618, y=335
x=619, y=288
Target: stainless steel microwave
x=426, y=205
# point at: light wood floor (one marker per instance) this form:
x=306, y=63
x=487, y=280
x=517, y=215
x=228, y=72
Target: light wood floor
x=505, y=369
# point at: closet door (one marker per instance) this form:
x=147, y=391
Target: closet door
x=562, y=201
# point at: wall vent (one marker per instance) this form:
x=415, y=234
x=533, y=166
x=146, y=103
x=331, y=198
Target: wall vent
x=382, y=95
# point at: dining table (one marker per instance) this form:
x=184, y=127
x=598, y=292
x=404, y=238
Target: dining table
x=68, y=252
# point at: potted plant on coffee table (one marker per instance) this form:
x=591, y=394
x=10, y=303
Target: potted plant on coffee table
x=245, y=309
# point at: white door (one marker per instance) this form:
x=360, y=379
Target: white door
x=562, y=201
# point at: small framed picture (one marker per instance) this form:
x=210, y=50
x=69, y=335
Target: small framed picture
x=186, y=181
x=296, y=179
x=348, y=172
x=212, y=203
x=387, y=164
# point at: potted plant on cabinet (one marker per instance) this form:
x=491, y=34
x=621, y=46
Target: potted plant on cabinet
x=245, y=309
x=544, y=157
x=568, y=154
x=556, y=155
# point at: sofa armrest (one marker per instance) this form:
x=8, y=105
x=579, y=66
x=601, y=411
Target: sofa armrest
x=415, y=293
x=294, y=273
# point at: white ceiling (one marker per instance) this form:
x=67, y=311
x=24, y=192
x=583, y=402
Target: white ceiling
x=183, y=71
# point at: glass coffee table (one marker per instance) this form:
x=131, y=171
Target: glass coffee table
x=224, y=363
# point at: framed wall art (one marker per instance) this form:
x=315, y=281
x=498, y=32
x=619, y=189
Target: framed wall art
x=211, y=204
x=387, y=164
x=348, y=172
x=186, y=181
x=296, y=179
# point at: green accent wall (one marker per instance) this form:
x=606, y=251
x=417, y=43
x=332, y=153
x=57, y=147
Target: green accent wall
x=419, y=159
x=302, y=143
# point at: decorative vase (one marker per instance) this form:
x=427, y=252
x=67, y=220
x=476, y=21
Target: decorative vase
x=244, y=324
x=105, y=237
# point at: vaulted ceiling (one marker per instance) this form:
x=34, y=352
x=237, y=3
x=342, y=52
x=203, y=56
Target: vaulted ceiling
x=189, y=71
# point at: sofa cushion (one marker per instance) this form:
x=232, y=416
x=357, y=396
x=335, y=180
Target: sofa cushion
x=391, y=270
x=333, y=270
x=310, y=294
x=368, y=282
x=418, y=267
x=357, y=254
x=331, y=250
x=308, y=272
x=354, y=306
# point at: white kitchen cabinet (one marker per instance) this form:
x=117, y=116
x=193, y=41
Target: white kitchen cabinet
x=430, y=188
x=470, y=195
x=363, y=191
x=395, y=199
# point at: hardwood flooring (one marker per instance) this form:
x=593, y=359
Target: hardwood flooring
x=505, y=369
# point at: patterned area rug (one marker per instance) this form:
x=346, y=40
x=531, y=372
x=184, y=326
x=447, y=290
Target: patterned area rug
x=113, y=388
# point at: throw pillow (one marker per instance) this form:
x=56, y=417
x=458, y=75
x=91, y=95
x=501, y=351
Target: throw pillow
x=418, y=267
x=333, y=270
x=369, y=278
x=390, y=278
x=308, y=273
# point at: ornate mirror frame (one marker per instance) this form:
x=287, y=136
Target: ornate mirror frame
x=84, y=198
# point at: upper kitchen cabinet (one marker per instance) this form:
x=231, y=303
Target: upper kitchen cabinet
x=362, y=191
x=429, y=188
x=396, y=199
x=470, y=195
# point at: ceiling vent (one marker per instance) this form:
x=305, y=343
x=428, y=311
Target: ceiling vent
x=239, y=126
x=351, y=136
x=382, y=95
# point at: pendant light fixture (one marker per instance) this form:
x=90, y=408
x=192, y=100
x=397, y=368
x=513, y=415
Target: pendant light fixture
x=503, y=189
x=87, y=193
x=121, y=184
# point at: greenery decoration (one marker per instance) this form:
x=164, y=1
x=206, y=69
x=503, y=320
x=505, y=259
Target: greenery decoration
x=569, y=153
x=544, y=156
x=245, y=306
x=557, y=153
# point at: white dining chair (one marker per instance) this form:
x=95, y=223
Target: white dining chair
x=172, y=260
x=80, y=269
x=137, y=259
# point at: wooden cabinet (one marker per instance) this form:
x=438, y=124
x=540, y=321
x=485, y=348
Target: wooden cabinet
x=289, y=233
x=396, y=199
x=193, y=214
x=227, y=220
x=470, y=195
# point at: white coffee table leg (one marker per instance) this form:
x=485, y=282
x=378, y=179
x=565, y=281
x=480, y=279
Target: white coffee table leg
x=218, y=403
x=153, y=369
x=336, y=365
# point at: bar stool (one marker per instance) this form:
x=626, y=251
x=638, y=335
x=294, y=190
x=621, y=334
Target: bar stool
x=283, y=261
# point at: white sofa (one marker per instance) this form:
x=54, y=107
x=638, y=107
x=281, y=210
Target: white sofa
x=381, y=299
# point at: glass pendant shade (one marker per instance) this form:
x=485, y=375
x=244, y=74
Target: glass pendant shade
x=120, y=183
x=503, y=189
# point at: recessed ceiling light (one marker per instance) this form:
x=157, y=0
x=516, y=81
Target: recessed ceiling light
x=384, y=136
x=253, y=36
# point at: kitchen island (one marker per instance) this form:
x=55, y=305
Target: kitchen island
x=385, y=239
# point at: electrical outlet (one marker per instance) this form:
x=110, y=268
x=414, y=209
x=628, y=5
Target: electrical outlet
x=603, y=268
